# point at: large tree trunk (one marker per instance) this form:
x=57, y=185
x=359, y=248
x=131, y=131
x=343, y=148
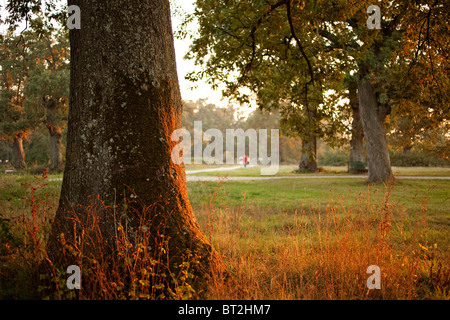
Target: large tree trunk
x=18, y=155
x=356, y=142
x=372, y=115
x=308, y=159
x=124, y=105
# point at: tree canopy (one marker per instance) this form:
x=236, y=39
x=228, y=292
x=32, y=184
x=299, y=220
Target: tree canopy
x=35, y=83
x=291, y=53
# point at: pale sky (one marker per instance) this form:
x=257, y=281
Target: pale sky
x=203, y=91
x=186, y=66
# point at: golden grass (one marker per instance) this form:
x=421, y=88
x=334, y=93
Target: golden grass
x=325, y=255
x=311, y=253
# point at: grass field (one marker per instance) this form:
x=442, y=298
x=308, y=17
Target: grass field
x=289, y=239
x=314, y=239
x=288, y=170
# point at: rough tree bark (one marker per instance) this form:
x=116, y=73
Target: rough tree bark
x=309, y=150
x=124, y=105
x=356, y=142
x=373, y=115
x=18, y=155
x=56, y=161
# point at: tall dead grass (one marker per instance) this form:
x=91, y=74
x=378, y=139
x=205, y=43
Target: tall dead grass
x=310, y=253
x=324, y=254
x=132, y=264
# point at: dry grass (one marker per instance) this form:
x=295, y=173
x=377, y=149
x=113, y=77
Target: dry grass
x=318, y=252
x=315, y=254
x=133, y=265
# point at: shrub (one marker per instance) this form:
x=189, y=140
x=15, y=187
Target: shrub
x=7, y=240
x=416, y=159
x=37, y=151
x=333, y=158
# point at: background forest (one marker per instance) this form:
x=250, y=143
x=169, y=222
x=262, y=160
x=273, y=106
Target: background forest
x=431, y=148
x=34, y=84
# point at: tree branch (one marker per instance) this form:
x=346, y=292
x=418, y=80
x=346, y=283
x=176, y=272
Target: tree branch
x=291, y=25
x=253, y=32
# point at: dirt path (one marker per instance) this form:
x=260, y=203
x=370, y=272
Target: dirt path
x=253, y=178
x=190, y=177
x=212, y=178
x=213, y=169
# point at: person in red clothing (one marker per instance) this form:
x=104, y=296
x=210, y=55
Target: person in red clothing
x=246, y=161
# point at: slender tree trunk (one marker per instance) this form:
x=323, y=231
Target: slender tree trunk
x=18, y=155
x=372, y=115
x=356, y=142
x=124, y=105
x=56, y=163
x=309, y=150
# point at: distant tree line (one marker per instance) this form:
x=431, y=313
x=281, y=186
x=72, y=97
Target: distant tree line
x=431, y=150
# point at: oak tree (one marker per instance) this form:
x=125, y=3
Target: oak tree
x=15, y=124
x=266, y=42
x=124, y=104
x=47, y=88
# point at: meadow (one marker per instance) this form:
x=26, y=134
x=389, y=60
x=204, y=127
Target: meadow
x=314, y=239
x=289, y=170
x=280, y=239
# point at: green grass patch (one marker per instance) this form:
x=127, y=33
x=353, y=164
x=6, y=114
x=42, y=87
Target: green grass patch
x=297, y=196
x=291, y=170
